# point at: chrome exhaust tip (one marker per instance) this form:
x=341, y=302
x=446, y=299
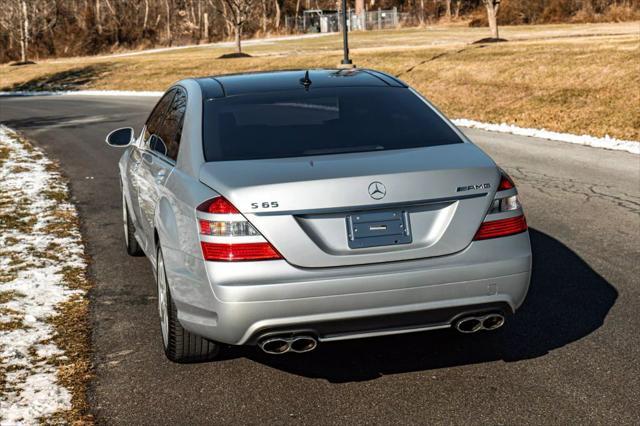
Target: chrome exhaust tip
x=469, y=325
x=281, y=345
x=303, y=344
x=492, y=322
x=473, y=324
x=275, y=346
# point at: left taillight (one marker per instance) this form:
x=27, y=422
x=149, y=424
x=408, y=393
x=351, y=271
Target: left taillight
x=226, y=235
x=504, y=202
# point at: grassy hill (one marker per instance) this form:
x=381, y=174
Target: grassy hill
x=568, y=78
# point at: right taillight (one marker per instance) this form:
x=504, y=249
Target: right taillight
x=501, y=228
x=505, y=182
x=503, y=203
x=226, y=235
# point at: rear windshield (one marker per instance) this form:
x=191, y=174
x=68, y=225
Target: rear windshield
x=319, y=122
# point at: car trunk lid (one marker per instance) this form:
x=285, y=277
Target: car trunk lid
x=357, y=208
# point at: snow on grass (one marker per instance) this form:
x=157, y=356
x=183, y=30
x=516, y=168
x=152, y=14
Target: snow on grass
x=39, y=244
x=606, y=142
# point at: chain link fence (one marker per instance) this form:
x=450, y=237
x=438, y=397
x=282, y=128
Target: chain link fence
x=328, y=21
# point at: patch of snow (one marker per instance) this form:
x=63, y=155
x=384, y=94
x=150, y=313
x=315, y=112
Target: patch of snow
x=39, y=397
x=606, y=142
x=32, y=264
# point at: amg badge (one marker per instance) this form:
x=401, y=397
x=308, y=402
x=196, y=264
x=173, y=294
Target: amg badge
x=472, y=187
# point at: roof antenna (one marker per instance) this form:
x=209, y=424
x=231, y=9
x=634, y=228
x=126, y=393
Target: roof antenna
x=306, y=81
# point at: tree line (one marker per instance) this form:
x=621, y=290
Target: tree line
x=33, y=29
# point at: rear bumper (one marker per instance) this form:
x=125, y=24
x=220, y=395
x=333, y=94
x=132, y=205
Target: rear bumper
x=235, y=303
x=378, y=325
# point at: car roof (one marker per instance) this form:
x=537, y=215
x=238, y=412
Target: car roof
x=269, y=81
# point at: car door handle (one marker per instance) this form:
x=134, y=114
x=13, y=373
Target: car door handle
x=147, y=158
x=160, y=176
x=135, y=163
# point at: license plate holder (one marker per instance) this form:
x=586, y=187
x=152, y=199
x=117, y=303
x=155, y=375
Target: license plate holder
x=378, y=228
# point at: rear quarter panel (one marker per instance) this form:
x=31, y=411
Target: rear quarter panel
x=178, y=232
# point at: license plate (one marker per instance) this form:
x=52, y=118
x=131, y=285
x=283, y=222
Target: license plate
x=378, y=228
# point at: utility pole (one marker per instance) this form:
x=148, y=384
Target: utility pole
x=346, y=62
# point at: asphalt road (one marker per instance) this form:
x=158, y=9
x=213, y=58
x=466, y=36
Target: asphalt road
x=571, y=355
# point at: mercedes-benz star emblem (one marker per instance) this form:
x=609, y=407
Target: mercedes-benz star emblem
x=377, y=191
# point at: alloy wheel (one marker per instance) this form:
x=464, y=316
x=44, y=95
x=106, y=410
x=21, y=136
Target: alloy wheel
x=163, y=310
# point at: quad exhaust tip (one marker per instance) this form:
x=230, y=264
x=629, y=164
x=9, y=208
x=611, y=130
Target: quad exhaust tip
x=472, y=324
x=278, y=345
x=281, y=345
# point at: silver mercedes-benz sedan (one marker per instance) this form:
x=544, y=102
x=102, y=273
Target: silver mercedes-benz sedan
x=284, y=209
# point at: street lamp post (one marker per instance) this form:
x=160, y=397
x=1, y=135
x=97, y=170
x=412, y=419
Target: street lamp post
x=346, y=62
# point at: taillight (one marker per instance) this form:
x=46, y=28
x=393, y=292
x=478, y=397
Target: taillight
x=218, y=205
x=501, y=228
x=503, y=204
x=508, y=203
x=226, y=228
x=226, y=235
x=236, y=252
x=505, y=182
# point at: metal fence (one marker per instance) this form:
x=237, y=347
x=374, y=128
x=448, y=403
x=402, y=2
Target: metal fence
x=327, y=21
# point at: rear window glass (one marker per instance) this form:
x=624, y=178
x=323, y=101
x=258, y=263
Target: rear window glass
x=318, y=122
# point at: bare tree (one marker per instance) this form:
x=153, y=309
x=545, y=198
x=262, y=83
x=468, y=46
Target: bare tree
x=146, y=16
x=264, y=16
x=24, y=21
x=51, y=28
x=492, y=7
x=297, y=9
x=240, y=12
x=276, y=19
x=24, y=31
x=168, y=23
x=205, y=26
x=98, y=17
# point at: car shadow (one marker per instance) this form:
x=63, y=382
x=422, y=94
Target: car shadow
x=567, y=301
x=58, y=121
x=73, y=79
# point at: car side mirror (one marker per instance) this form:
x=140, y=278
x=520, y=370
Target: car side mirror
x=120, y=138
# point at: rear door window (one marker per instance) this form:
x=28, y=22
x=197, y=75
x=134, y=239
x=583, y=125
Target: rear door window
x=157, y=115
x=321, y=121
x=170, y=131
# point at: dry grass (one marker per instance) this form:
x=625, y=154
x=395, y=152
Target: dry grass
x=71, y=323
x=72, y=336
x=582, y=86
x=568, y=78
x=11, y=318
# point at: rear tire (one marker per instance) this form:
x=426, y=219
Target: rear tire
x=133, y=248
x=179, y=344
